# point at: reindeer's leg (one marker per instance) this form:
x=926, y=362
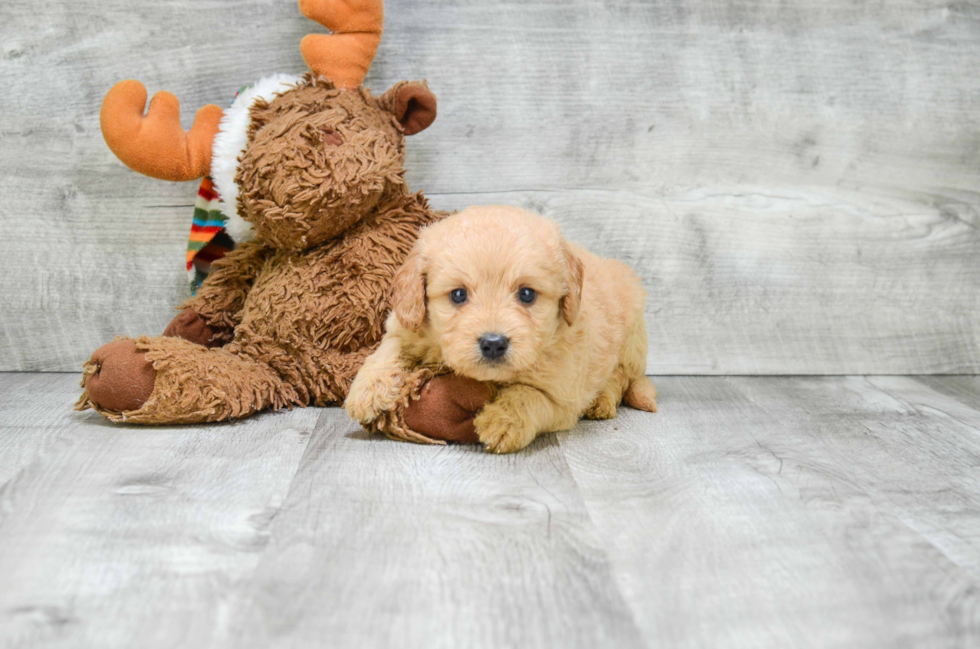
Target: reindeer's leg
x=210, y=317
x=190, y=383
x=332, y=372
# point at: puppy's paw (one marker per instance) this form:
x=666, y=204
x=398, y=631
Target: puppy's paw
x=602, y=408
x=502, y=431
x=372, y=396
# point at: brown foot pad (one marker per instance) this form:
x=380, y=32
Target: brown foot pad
x=118, y=376
x=446, y=407
x=191, y=326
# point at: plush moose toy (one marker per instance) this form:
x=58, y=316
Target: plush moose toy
x=308, y=171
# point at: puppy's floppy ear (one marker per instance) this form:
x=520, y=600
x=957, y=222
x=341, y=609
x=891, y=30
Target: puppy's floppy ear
x=412, y=104
x=408, y=294
x=574, y=278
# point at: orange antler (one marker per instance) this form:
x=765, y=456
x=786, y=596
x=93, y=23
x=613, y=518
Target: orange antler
x=345, y=55
x=156, y=145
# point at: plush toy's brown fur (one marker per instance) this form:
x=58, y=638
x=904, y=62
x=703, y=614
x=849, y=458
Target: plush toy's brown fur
x=301, y=307
x=290, y=318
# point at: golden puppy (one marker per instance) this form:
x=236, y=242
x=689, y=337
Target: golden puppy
x=496, y=294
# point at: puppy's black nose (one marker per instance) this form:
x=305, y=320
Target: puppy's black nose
x=493, y=346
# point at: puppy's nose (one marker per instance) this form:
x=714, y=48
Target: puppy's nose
x=493, y=346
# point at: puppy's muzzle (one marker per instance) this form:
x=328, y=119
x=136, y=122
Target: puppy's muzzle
x=493, y=346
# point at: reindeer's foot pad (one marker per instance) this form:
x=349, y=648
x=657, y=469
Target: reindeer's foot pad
x=191, y=383
x=434, y=409
x=117, y=378
x=446, y=408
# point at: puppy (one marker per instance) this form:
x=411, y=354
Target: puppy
x=496, y=294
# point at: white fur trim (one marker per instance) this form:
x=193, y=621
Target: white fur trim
x=229, y=145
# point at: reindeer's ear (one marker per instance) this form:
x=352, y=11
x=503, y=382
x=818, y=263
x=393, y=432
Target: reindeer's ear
x=412, y=104
x=574, y=279
x=408, y=293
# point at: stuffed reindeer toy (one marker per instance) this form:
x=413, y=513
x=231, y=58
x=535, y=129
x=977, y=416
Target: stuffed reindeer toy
x=308, y=172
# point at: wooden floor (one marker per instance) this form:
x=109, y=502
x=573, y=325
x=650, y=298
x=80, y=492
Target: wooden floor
x=751, y=512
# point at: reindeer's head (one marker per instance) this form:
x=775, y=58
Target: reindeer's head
x=297, y=160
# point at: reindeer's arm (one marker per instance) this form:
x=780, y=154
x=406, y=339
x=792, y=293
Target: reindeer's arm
x=211, y=316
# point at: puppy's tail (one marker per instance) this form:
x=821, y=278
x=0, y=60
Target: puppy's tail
x=642, y=395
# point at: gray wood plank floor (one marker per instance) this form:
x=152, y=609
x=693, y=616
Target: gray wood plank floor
x=830, y=511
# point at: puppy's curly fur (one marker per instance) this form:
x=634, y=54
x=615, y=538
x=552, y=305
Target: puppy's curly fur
x=577, y=349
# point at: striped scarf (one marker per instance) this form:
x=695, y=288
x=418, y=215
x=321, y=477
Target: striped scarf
x=207, y=241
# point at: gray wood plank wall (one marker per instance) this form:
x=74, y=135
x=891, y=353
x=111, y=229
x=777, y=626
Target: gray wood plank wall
x=797, y=182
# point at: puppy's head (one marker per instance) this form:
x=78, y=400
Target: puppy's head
x=490, y=288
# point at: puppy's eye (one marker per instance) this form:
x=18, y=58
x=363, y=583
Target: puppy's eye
x=458, y=296
x=526, y=295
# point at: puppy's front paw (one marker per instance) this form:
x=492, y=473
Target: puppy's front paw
x=502, y=431
x=369, y=398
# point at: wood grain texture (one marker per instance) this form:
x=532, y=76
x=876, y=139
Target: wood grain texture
x=795, y=181
x=749, y=512
x=117, y=536
x=962, y=388
x=384, y=544
x=837, y=512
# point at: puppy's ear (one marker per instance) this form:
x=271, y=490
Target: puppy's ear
x=574, y=277
x=408, y=294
